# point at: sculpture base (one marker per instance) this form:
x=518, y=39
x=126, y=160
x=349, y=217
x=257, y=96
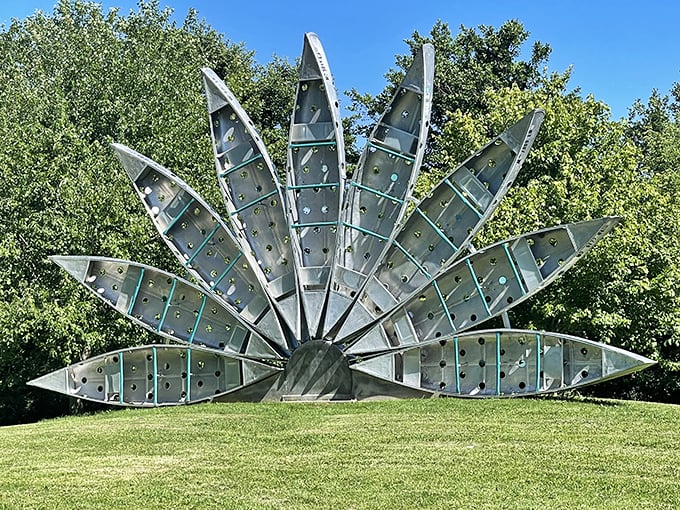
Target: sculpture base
x=317, y=371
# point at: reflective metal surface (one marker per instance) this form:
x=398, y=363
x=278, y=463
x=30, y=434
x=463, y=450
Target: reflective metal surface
x=315, y=177
x=334, y=287
x=502, y=363
x=204, y=245
x=253, y=196
x=481, y=286
x=442, y=225
x=158, y=375
x=377, y=193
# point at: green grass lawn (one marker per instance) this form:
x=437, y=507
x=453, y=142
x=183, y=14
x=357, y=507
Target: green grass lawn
x=446, y=453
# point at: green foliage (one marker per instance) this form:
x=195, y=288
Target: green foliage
x=73, y=82
x=434, y=454
x=473, y=61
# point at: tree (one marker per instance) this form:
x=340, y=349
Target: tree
x=465, y=66
x=73, y=82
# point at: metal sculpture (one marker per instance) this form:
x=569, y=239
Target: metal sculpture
x=332, y=287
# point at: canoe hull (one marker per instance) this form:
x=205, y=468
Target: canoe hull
x=503, y=363
x=442, y=225
x=155, y=375
x=377, y=194
x=316, y=169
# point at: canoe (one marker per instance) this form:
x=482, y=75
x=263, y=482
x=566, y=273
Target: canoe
x=155, y=375
x=202, y=243
x=376, y=195
x=253, y=196
x=316, y=169
x=503, y=363
x=167, y=305
x=442, y=225
x=482, y=285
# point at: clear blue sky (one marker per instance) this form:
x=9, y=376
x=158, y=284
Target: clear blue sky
x=620, y=50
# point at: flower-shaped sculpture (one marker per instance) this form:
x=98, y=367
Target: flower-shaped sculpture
x=331, y=287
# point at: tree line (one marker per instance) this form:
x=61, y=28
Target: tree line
x=77, y=79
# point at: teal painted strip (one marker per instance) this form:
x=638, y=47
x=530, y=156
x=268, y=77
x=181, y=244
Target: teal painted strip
x=317, y=224
x=202, y=245
x=311, y=144
x=365, y=231
x=376, y=192
x=167, y=304
x=240, y=165
x=443, y=303
x=107, y=382
x=457, y=361
x=538, y=362
x=514, y=268
x=462, y=198
x=479, y=289
x=120, y=377
x=393, y=153
x=155, y=377
x=437, y=230
x=188, y=399
x=134, y=296
x=498, y=363
x=250, y=204
x=198, y=319
x=312, y=186
x=412, y=259
x=176, y=218
x=224, y=273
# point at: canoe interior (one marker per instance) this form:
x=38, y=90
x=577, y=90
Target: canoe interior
x=502, y=364
x=166, y=305
x=253, y=196
x=154, y=376
x=202, y=243
x=480, y=286
x=316, y=162
x=376, y=196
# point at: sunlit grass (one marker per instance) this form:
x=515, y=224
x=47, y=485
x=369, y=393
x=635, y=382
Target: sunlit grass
x=393, y=454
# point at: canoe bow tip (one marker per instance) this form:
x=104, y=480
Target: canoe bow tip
x=74, y=265
x=132, y=161
x=217, y=93
x=586, y=233
x=53, y=381
x=207, y=72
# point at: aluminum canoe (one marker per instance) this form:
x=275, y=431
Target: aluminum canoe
x=155, y=375
x=253, y=196
x=503, y=363
x=315, y=177
x=480, y=286
x=203, y=244
x=167, y=305
x=442, y=225
x=376, y=194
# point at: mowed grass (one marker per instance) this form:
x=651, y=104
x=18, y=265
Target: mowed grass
x=446, y=453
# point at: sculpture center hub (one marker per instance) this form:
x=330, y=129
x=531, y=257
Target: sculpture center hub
x=317, y=370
